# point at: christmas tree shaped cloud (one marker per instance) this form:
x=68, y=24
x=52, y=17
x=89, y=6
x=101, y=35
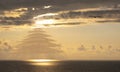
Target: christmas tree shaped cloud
x=37, y=45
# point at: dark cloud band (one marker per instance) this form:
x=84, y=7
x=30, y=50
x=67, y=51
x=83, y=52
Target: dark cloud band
x=9, y=4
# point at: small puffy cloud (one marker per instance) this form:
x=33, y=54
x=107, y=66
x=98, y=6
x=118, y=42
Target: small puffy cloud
x=5, y=47
x=82, y=48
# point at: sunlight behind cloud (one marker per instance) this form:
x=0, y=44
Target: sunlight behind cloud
x=46, y=7
x=43, y=15
x=41, y=22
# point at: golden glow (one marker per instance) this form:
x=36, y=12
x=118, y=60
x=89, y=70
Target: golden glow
x=33, y=8
x=12, y=14
x=46, y=7
x=47, y=14
x=43, y=64
x=15, y=13
x=42, y=60
x=20, y=9
x=42, y=22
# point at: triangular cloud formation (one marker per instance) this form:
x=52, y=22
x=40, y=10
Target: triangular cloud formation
x=37, y=45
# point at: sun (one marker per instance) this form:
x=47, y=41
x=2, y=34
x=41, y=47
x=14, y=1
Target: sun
x=43, y=22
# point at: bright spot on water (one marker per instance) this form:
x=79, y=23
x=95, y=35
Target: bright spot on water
x=42, y=62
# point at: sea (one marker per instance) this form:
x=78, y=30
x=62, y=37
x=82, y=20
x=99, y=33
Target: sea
x=59, y=66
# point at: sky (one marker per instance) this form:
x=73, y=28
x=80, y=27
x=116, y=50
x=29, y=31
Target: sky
x=78, y=42
x=81, y=29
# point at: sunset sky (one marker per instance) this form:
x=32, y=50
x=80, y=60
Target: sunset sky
x=83, y=29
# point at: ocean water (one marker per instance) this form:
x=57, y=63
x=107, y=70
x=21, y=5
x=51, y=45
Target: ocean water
x=60, y=66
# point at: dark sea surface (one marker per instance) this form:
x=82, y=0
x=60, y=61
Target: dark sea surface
x=60, y=66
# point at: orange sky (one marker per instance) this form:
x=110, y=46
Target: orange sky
x=72, y=37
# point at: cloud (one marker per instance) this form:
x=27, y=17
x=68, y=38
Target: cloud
x=22, y=12
x=35, y=45
x=18, y=16
x=4, y=46
x=84, y=17
x=15, y=21
x=99, y=50
x=10, y=4
x=104, y=21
